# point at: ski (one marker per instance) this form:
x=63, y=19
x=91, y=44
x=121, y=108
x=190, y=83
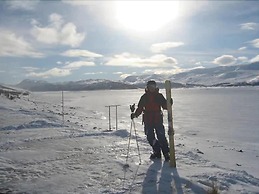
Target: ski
x=170, y=123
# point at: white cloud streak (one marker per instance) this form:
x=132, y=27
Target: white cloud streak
x=57, y=32
x=81, y=2
x=14, y=46
x=54, y=72
x=78, y=64
x=242, y=59
x=161, y=47
x=225, y=60
x=255, y=43
x=80, y=53
x=59, y=72
x=242, y=48
x=164, y=71
x=130, y=60
x=22, y=5
x=93, y=73
x=30, y=69
x=249, y=26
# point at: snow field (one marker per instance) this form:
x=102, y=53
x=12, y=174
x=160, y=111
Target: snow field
x=41, y=154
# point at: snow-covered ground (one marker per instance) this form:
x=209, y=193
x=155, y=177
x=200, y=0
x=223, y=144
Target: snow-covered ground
x=217, y=143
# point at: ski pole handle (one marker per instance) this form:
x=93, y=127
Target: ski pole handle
x=132, y=107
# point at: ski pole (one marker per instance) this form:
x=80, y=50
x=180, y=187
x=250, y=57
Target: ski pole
x=136, y=140
x=132, y=108
x=127, y=157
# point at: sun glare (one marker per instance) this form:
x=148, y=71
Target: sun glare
x=145, y=16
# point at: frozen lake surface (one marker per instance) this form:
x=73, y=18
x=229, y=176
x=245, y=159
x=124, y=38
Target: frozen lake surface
x=216, y=138
x=229, y=114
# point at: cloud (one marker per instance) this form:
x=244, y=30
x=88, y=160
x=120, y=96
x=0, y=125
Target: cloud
x=255, y=59
x=78, y=64
x=117, y=73
x=160, y=47
x=249, y=26
x=80, y=53
x=157, y=71
x=14, y=46
x=58, y=72
x=81, y=2
x=57, y=32
x=164, y=71
x=55, y=72
x=242, y=59
x=255, y=43
x=30, y=69
x=94, y=73
x=225, y=60
x=242, y=48
x=130, y=60
x=22, y=5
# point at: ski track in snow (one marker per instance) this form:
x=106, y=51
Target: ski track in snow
x=40, y=154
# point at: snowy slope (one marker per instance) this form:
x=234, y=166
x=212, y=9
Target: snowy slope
x=238, y=74
x=7, y=90
x=41, y=154
x=218, y=75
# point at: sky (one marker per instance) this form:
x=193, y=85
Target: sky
x=62, y=40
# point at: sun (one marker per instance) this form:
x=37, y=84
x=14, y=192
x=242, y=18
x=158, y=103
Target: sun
x=146, y=16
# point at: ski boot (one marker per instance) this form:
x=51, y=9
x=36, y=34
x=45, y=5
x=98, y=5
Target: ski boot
x=155, y=156
x=167, y=157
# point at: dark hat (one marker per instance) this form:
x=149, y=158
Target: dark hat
x=151, y=82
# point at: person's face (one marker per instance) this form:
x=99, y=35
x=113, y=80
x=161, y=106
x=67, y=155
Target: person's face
x=151, y=88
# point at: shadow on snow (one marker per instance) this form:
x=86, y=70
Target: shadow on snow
x=169, y=181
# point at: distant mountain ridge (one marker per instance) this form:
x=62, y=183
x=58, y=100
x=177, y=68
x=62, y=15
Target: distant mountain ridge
x=221, y=75
x=90, y=84
x=239, y=75
x=217, y=76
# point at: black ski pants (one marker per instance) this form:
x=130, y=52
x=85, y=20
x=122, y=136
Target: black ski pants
x=155, y=133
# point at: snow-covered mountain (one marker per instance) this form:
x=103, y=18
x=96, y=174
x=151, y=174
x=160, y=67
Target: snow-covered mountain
x=90, y=84
x=217, y=76
x=239, y=75
x=11, y=92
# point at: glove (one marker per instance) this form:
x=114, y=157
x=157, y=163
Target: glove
x=172, y=101
x=132, y=116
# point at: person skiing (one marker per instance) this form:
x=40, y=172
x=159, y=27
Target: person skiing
x=150, y=104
